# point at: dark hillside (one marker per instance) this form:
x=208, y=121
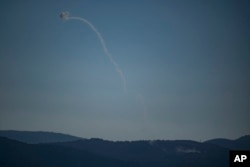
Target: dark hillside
x=37, y=137
x=17, y=154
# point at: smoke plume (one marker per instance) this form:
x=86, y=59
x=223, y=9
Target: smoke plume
x=65, y=16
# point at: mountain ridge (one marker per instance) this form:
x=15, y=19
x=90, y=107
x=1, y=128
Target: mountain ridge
x=18, y=154
x=15, y=134
x=147, y=153
x=241, y=143
x=35, y=137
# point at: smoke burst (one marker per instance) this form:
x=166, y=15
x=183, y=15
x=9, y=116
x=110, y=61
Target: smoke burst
x=65, y=16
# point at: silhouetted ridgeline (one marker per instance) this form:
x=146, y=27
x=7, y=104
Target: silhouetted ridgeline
x=102, y=153
x=18, y=154
x=242, y=143
x=37, y=137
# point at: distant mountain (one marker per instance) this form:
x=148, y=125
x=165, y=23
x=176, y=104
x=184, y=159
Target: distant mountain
x=18, y=154
x=242, y=143
x=37, y=137
x=62, y=150
x=159, y=153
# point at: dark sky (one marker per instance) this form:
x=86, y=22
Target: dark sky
x=186, y=65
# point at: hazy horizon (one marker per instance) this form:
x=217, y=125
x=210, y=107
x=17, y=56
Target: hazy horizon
x=38, y=131
x=176, y=69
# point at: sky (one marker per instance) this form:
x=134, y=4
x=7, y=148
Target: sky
x=185, y=64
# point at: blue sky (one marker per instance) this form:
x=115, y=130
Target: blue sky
x=186, y=65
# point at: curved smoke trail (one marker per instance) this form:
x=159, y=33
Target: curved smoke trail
x=140, y=97
x=65, y=16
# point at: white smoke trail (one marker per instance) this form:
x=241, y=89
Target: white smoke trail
x=65, y=16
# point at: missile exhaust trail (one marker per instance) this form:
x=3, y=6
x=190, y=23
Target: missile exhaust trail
x=65, y=16
x=140, y=97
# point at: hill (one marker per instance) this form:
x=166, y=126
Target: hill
x=37, y=137
x=18, y=154
x=55, y=149
x=242, y=143
x=157, y=153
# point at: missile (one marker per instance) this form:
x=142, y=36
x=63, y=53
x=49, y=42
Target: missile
x=64, y=15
